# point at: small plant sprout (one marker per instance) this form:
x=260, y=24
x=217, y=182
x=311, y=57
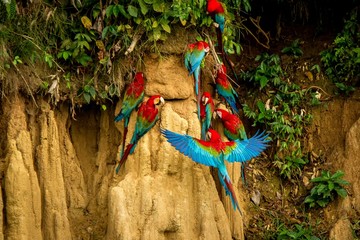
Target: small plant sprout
x=326, y=188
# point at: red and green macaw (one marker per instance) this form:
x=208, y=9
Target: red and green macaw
x=207, y=109
x=233, y=126
x=148, y=114
x=233, y=129
x=225, y=89
x=214, y=152
x=217, y=12
x=193, y=58
x=133, y=96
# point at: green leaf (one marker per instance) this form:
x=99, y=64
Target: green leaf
x=109, y=10
x=87, y=97
x=341, y=192
x=322, y=202
x=149, y=1
x=261, y=106
x=159, y=6
x=116, y=11
x=143, y=7
x=92, y=92
x=66, y=55
x=263, y=81
x=133, y=11
x=331, y=185
x=104, y=32
x=96, y=11
x=338, y=174
x=121, y=8
x=155, y=24
x=166, y=27
x=341, y=182
x=309, y=199
x=84, y=59
x=156, y=34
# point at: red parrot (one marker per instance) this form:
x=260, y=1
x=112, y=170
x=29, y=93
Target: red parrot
x=217, y=12
x=233, y=126
x=233, y=129
x=225, y=89
x=133, y=96
x=214, y=152
x=148, y=114
x=193, y=58
x=207, y=108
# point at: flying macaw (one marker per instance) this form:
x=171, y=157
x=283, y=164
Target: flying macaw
x=214, y=152
x=133, y=96
x=207, y=108
x=193, y=58
x=146, y=119
x=225, y=90
x=233, y=129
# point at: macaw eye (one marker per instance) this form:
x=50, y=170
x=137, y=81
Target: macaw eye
x=156, y=101
x=159, y=100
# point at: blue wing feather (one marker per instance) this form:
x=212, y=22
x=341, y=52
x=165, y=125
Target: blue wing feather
x=245, y=150
x=196, y=58
x=190, y=147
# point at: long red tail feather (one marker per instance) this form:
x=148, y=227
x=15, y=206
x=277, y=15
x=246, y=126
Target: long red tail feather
x=231, y=189
x=124, y=157
x=124, y=140
x=198, y=97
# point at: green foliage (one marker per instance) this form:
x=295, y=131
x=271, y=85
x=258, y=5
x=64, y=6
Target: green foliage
x=17, y=60
x=342, y=60
x=298, y=232
x=77, y=50
x=88, y=92
x=283, y=112
x=294, y=49
x=85, y=38
x=326, y=188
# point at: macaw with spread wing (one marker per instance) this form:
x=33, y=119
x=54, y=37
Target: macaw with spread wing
x=214, y=152
x=148, y=115
x=193, y=58
x=225, y=89
x=233, y=129
x=207, y=109
x=133, y=96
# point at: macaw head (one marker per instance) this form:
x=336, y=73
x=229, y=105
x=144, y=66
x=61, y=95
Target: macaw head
x=214, y=6
x=206, y=98
x=156, y=100
x=205, y=46
x=202, y=46
x=221, y=72
x=213, y=135
x=221, y=113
